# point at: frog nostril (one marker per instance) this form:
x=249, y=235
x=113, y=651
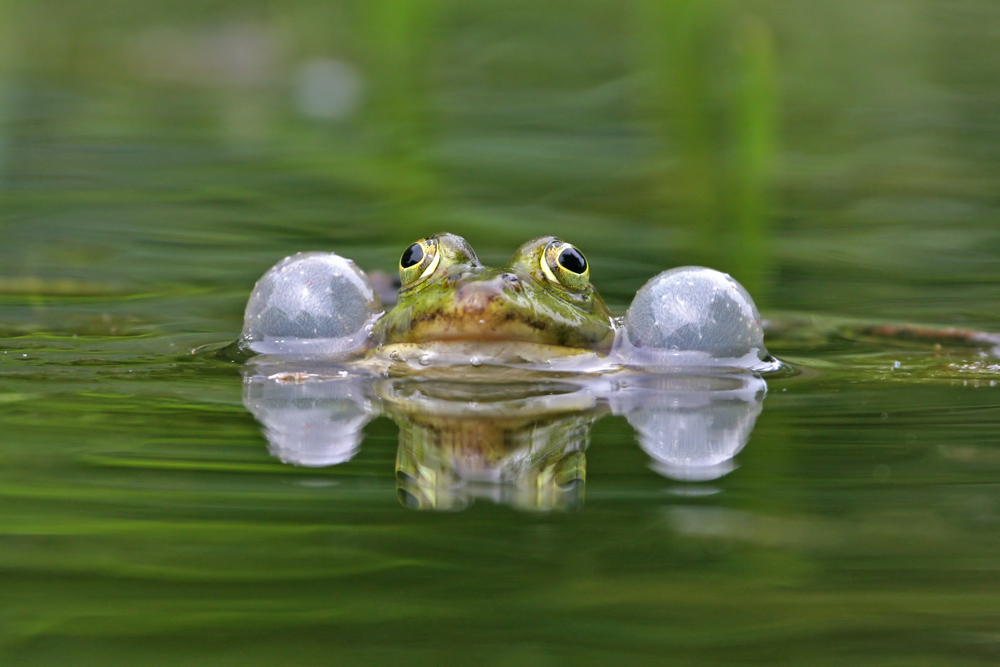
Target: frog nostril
x=511, y=281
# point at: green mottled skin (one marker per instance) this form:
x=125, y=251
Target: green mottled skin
x=466, y=301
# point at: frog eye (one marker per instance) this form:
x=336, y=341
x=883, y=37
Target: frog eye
x=418, y=261
x=564, y=265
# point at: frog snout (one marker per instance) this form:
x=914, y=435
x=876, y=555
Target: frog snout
x=478, y=295
x=481, y=295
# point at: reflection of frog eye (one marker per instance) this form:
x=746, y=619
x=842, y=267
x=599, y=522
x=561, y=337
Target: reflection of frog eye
x=564, y=265
x=418, y=261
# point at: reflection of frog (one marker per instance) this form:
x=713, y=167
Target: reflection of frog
x=525, y=446
x=520, y=443
x=539, y=309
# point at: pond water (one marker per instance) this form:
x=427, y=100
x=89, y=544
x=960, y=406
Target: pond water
x=168, y=508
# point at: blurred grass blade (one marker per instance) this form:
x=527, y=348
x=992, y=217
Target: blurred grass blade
x=756, y=149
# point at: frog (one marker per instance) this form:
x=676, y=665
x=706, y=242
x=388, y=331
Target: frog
x=542, y=295
x=539, y=311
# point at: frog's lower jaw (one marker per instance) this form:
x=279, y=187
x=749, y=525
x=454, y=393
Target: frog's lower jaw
x=456, y=358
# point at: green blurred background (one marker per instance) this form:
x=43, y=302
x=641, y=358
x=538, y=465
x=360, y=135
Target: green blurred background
x=817, y=151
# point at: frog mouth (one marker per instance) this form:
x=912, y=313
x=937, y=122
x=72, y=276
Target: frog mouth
x=484, y=311
x=483, y=329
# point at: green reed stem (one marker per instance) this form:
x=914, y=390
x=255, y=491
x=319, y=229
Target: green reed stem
x=755, y=142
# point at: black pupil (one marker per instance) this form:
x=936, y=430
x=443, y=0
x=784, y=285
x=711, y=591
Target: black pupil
x=411, y=256
x=572, y=259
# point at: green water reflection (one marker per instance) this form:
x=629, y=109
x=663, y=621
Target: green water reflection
x=156, y=158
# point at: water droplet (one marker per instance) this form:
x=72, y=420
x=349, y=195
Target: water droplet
x=476, y=361
x=425, y=360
